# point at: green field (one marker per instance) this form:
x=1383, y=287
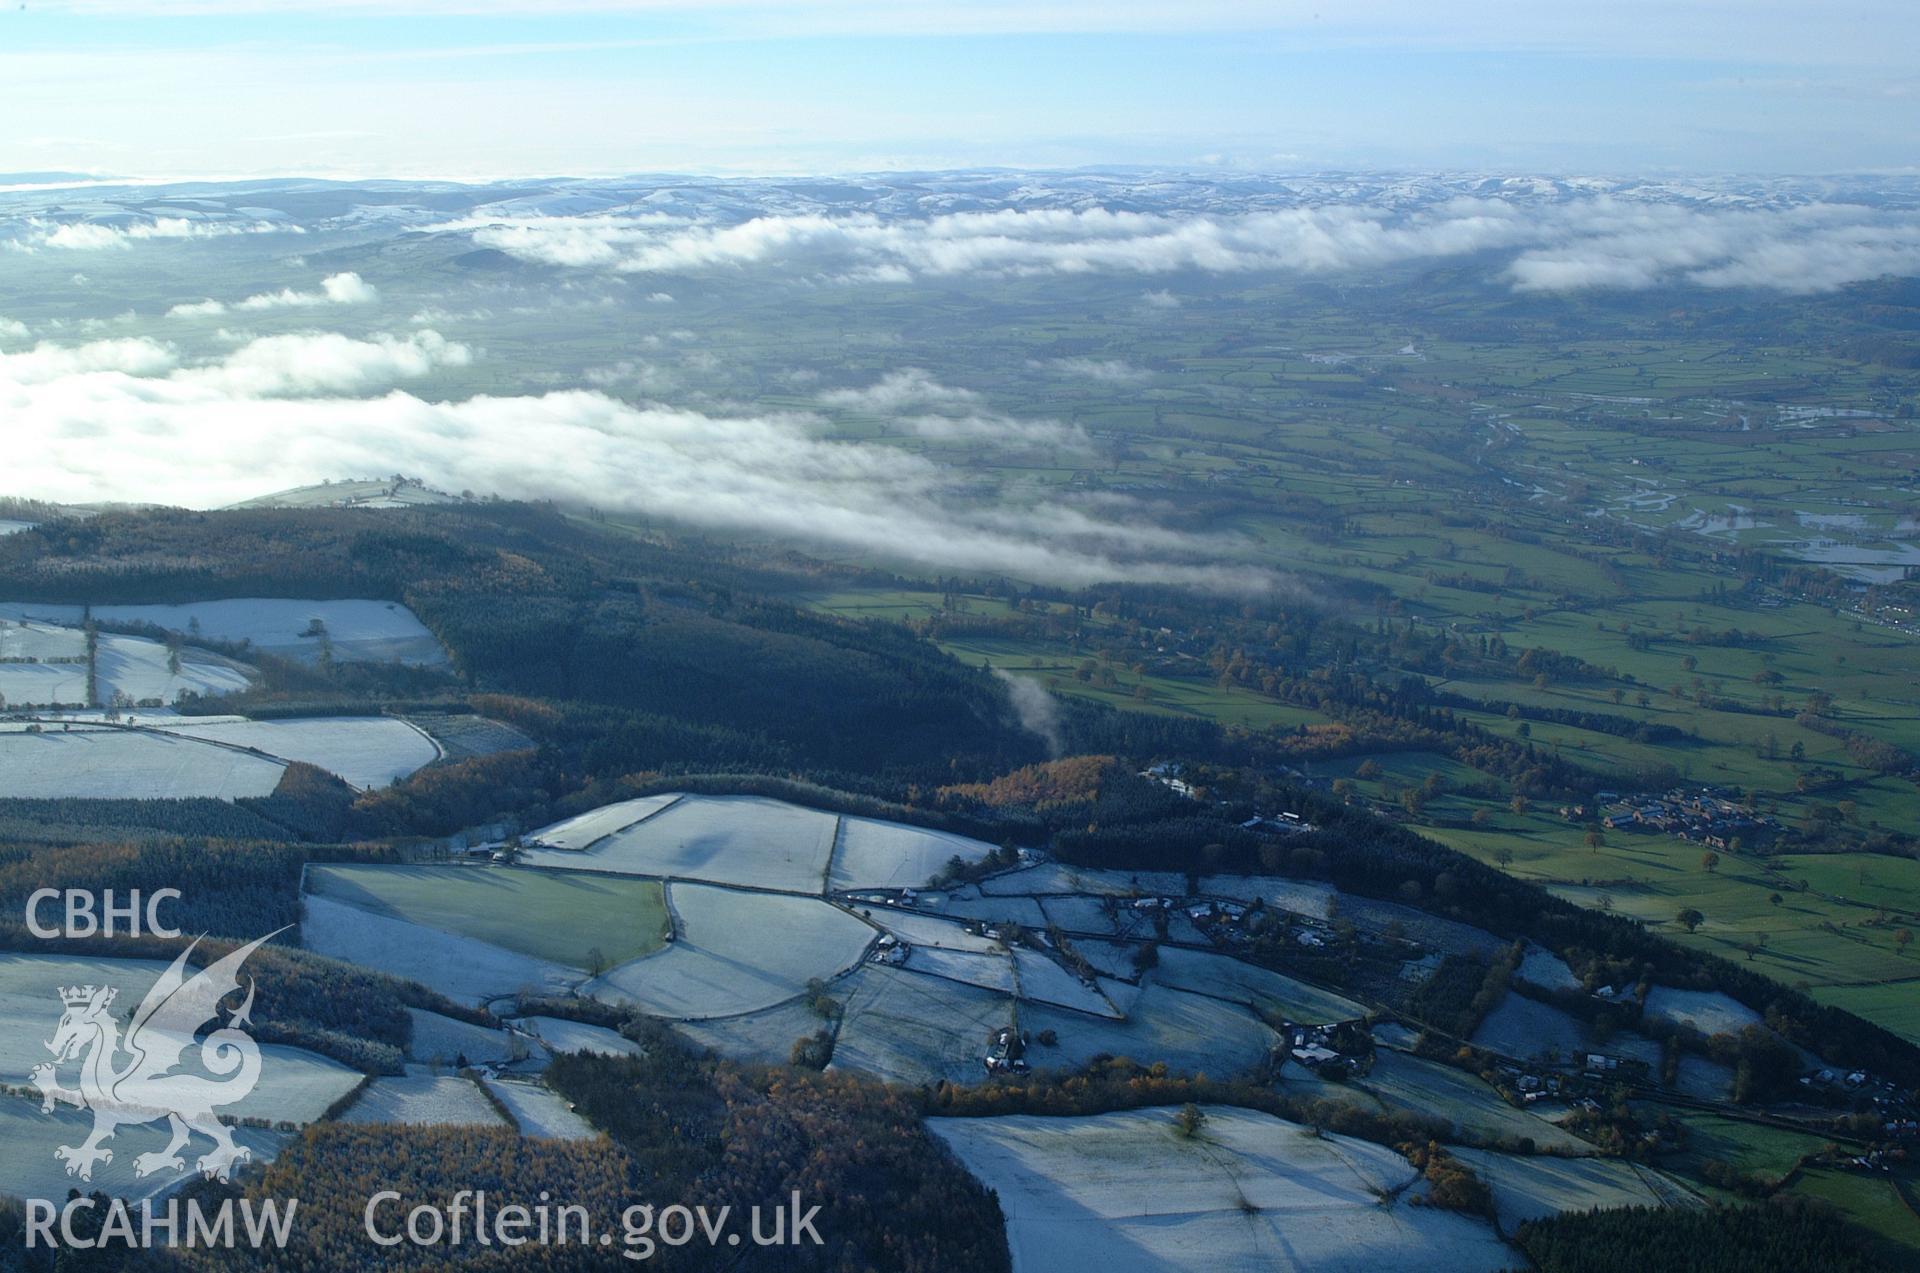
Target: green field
x=1620, y=484
x=554, y=915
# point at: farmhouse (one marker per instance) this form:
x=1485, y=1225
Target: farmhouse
x=1006, y=1051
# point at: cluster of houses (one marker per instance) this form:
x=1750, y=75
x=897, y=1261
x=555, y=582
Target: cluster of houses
x=1704, y=815
x=1864, y=1088
x=1585, y=1073
x=1167, y=774
x=1344, y=1047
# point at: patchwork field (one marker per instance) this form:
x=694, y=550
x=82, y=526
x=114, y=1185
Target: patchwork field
x=1527, y=1029
x=1421, y=1086
x=419, y=1100
x=1546, y=970
x=365, y=751
x=458, y=967
x=28, y=1168
x=1191, y=1033
x=583, y=831
x=296, y=1086
x=560, y=1035
x=107, y=764
x=42, y=665
x=736, y=951
x=874, y=854
x=438, y=1040
x=1266, y=992
x=354, y=631
x=1125, y=1192
x=1709, y=1012
x=906, y=1028
x=556, y=916
x=740, y=840
x=1532, y=1188
x=765, y=1037
x=539, y=1111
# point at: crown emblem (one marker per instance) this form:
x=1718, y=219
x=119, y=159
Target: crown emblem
x=81, y=996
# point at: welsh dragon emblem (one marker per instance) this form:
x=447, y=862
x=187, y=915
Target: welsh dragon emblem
x=142, y=1088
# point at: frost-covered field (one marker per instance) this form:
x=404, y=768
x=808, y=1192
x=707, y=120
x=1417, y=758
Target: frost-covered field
x=1227, y=978
x=968, y=903
x=422, y=1100
x=28, y=1138
x=889, y=855
x=582, y=831
x=561, y=1035
x=126, y=666
x=539, y=1111
x=906, y=1028
x=917, y=929
x=1055, y=877
x=107, y=764
x=737, y=951
x=1042, y=980
x=989, y=970
x=458, y=967
x=1703, y=1079
x=766, y=1037
x=366, y=751
x=1429, y=930
x=438, y=1040
x=1303, y=897
x=1522, y=1027
x=1191, y=1033
x=1427, y=1087
x=1083, y=913
x=717, y=839
x=358, y=631
x=1708, y=1011
x=1529, y=1188
x=1124, y=1192
x=1547, y=970
x=296, y=1086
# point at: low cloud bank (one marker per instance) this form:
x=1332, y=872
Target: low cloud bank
x=95, y=236
x=129, y=420
x=1556, y=247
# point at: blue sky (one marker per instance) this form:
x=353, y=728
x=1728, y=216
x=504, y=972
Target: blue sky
x=484, y=88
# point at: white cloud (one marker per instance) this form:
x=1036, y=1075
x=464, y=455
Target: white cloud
x=125, y=420
x=1002, y=432
x=1111, y=371
x=47, y=363
x=925, y=408
x=274, y=366
x=93, y=236
x=325, y=362
x=13, y=329
x=1602, y=242
x=335, y=289
x=897, y=390
x=1161, y=299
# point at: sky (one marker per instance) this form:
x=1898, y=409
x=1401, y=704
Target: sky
x=493, y=88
